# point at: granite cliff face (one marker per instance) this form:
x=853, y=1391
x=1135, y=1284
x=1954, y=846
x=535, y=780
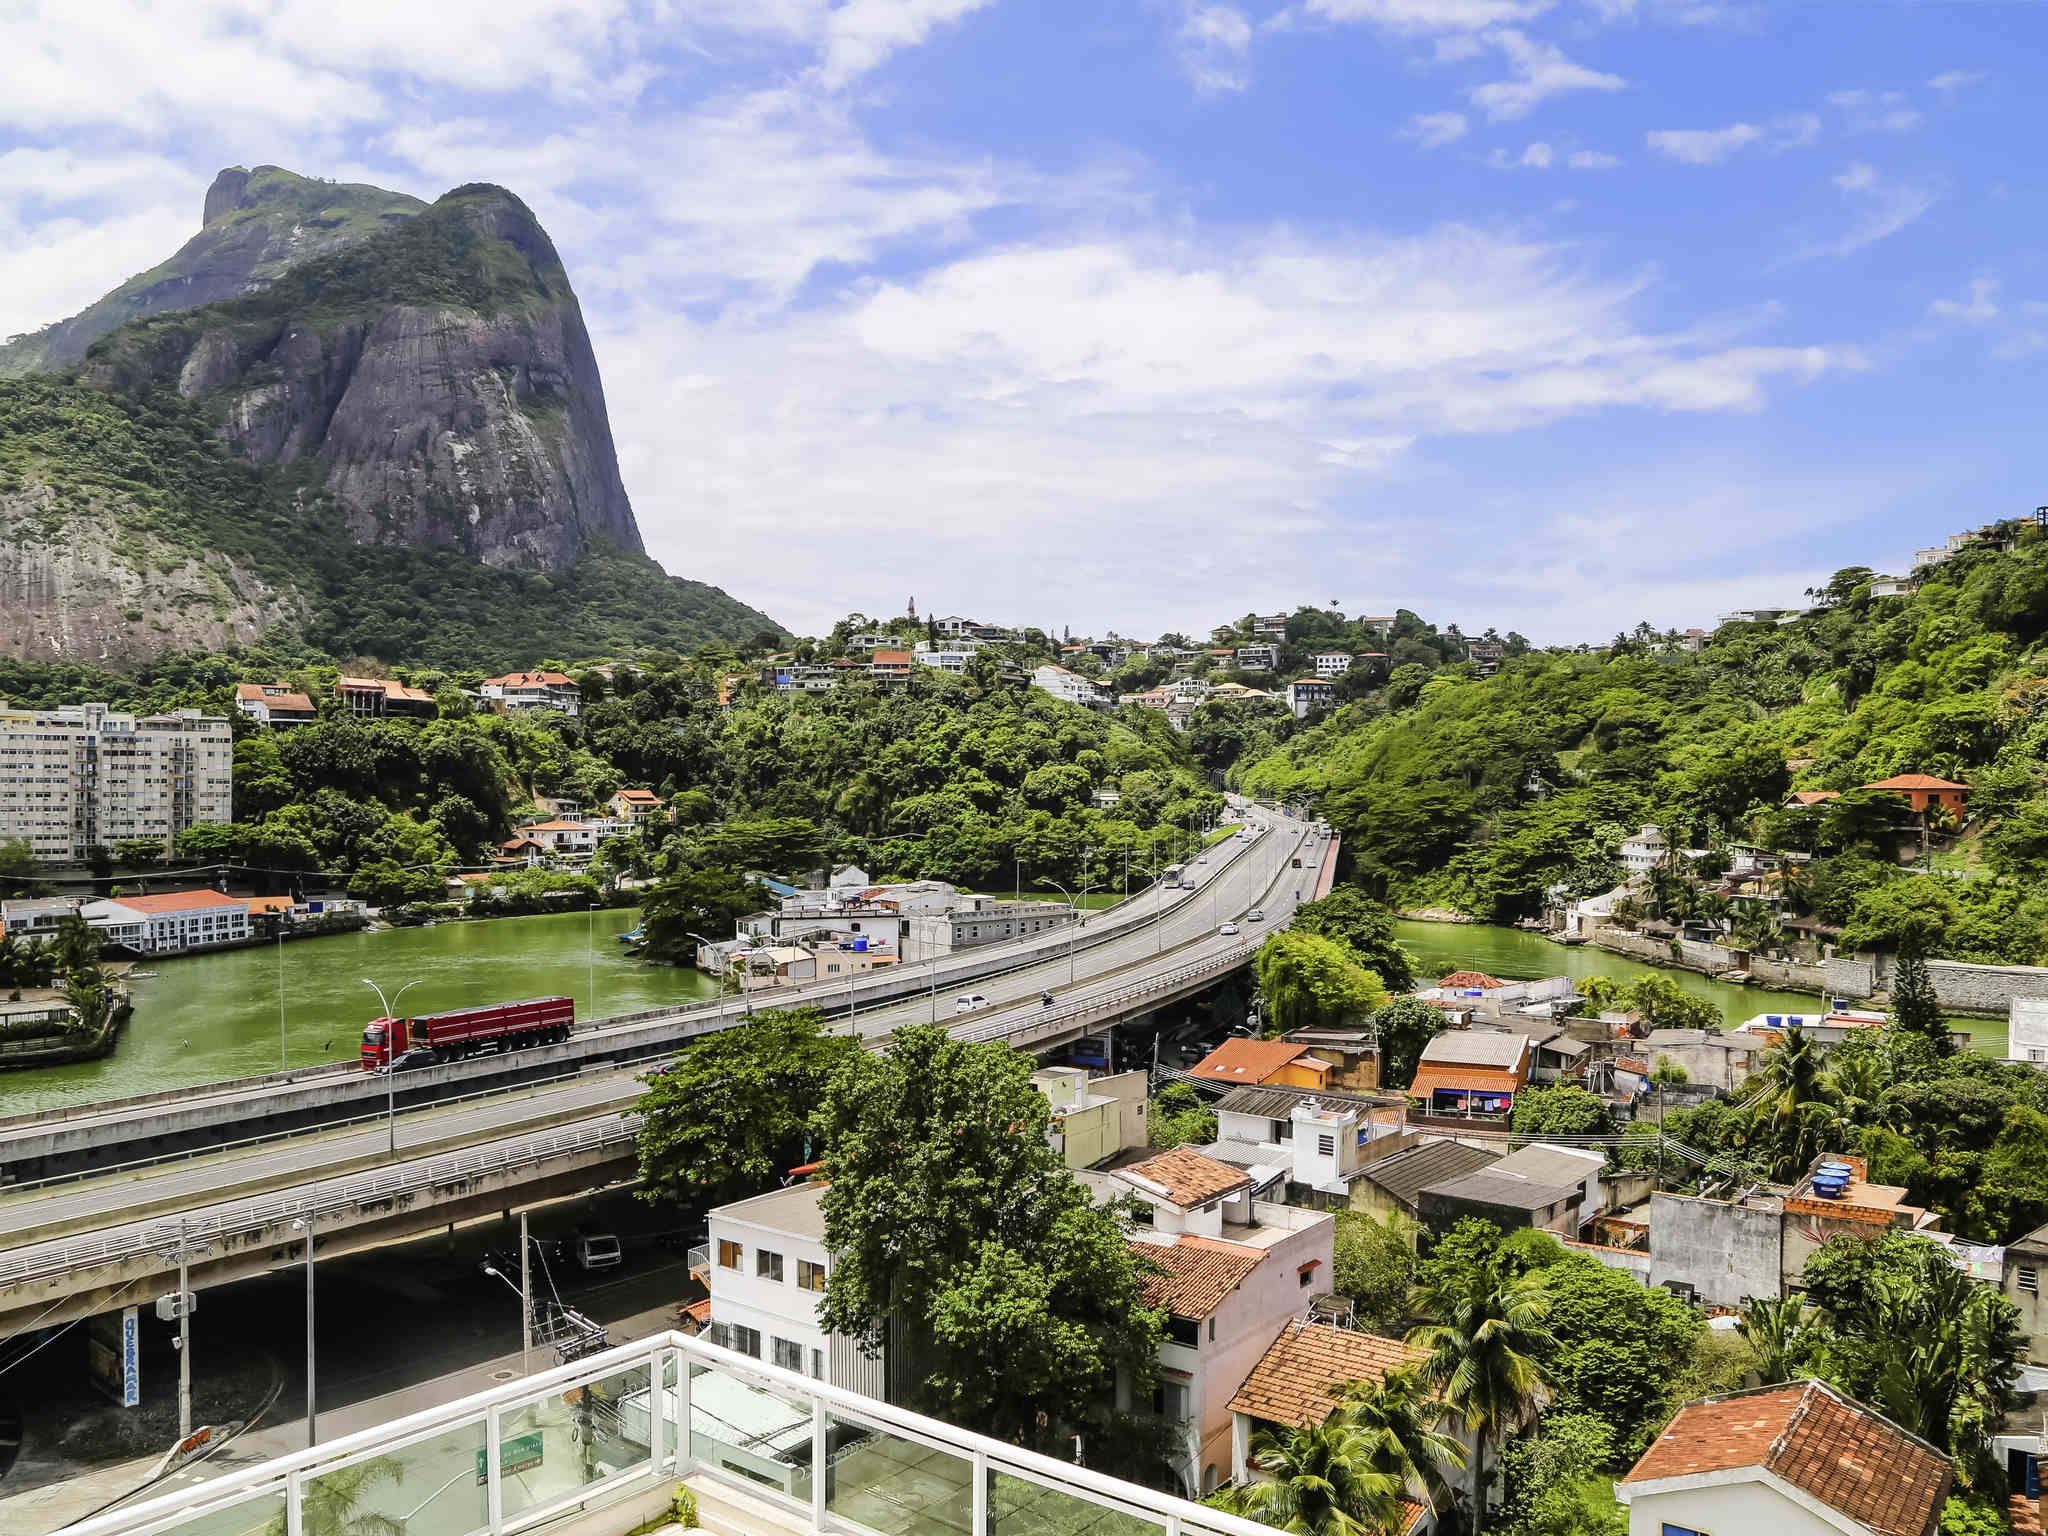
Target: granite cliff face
x=256, y=224
x=435, y=382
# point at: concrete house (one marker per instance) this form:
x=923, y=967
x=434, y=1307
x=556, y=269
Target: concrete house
x=1793, y=1460
x=1280, y=1062
x=1552, y=1187
x=766, y=1266
x=1472, y=1072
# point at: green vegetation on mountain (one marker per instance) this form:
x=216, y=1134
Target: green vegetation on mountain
x=1485, y=794
x=67, y=448
x=257, y=224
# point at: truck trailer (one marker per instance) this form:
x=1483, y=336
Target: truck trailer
x=466, y=1031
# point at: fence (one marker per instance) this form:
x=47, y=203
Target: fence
x=616, y=1430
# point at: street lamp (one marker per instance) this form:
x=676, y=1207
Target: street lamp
x=391, y=1053
x=525, y=1297
x=1073, y=930
x=305, y=1224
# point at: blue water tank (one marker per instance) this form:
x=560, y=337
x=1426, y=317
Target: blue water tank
x=860, y=946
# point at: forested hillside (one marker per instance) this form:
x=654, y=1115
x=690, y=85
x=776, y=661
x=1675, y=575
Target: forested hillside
x=1482, y=794
x=978, y=784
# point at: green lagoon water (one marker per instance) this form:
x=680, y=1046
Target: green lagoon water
x=203, y=1018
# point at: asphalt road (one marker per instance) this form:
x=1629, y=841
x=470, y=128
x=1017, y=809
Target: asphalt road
x=1187, y=930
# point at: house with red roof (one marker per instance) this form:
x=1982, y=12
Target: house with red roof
x=1242, y=1061
x=376, y=697
x=1800, y=1459
x=1924, y=792
x=519, y=691
x=273, y=704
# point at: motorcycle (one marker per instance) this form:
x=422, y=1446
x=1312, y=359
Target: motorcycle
x=1045, y=999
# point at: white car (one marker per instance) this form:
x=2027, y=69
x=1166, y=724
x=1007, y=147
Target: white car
x=973, y=1002
x=598, y=1250
x=1228, y=928
x=1256, y=915
x=1203, y=859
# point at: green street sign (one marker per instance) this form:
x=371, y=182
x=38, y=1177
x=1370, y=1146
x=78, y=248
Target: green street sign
x=519, y=1454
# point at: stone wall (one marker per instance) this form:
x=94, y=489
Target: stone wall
x=1958, y=986
x=1712, y=959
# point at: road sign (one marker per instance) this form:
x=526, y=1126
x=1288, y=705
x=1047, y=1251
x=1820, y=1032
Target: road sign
x=169, y=1310
x=522, y=1453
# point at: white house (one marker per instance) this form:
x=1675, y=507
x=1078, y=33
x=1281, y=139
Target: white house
x=766, y=1265
x=1071, y=686
x=1236, y=1270
x=2027, y=1035
x=1307, y=693
x=945, y=658
x=1332, y=663
x=1793, y=1460
x=162, y=925
x=1645, y=851
x=633, y=806
x=532, y=690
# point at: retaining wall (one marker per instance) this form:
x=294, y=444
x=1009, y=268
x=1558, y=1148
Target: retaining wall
x=1712, y=959
x=1958, y=985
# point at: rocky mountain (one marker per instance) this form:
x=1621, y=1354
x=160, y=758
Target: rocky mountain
x=388, y=439
x=255, y=225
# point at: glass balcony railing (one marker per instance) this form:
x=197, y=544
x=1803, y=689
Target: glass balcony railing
x=622, y=1428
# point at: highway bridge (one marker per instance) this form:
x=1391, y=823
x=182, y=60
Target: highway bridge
x=78, y=1244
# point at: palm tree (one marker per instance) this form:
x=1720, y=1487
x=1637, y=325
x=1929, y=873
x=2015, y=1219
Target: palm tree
x=1399, y=1417
x=330, y=1503
x=1773, y=1329
x=1318, y=1483
x=1484, y=1355
x=1791, y=1096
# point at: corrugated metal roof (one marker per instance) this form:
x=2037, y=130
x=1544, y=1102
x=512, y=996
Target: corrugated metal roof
x=1276, y=1101
x=1475, y=1048
x=1407, y=1173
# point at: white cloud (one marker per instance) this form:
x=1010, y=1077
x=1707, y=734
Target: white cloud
x=1799, y=130
x=1592, y=160
x=1858, y=177
x=1425, y=16
x=1540, y=71
x=1538, y=156
x=1702, y=146
x=1880, y=208
x=861, y=34
x=63, y=264
x=1213, y=44
x=1433, y=129
x=1949, y=81
x=1978, y=306
x=1875, y=111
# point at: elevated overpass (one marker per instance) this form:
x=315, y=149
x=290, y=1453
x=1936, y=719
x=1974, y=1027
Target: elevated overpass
x=73, y=1247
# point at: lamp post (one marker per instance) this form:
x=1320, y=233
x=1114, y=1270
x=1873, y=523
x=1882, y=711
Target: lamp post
x=305, y=1224
x=391, y=1052
x=1073, y=929
x=525, y=1298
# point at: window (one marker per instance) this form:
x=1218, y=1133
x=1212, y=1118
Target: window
x=787, y=1353
x=728, y=1254
x=809, y=1276
x=746, y=1340
x=1183, y=1330
x=1212, y=1330
x=767, y=1266
x=2030, y=1279
x=818, y=1364
x=1326, y=1146
x=1668, y=1529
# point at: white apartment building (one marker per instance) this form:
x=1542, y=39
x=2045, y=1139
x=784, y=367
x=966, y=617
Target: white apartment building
x=86, y=776
x=1332, y=663
x=533, y=690
x=766, y=1269
x=1307, y=693
x=1645, y=851
x=1257, y=658
x=946, y=658
x=169, y=924
x=1071, y=686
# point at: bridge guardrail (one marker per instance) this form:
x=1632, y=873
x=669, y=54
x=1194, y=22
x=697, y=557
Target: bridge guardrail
x=257, y=1214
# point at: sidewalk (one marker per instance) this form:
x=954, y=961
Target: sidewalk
x=40, y=1511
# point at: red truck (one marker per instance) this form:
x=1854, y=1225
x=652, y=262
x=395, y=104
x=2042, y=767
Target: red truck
x=449, y=1036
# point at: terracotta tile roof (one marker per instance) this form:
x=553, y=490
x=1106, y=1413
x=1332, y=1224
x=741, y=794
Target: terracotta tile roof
x=1198, y=1273
x=638, y=796
x=1463, y=1079
x=892, y=659
x=1296, y=1380
x=531, y=680
x=1246, y=1061
x=1186, y=1177
x=1471, y=979
x=180, y=901
x=1815, y=796
x=1832, y=1448
x=1914, y=781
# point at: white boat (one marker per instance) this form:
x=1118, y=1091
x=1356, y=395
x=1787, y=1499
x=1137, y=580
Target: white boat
x=140, y=976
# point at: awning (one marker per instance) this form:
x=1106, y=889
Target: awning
x=1430, y=1080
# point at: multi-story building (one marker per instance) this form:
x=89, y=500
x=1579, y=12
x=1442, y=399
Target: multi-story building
x=84, y=776
x=946, y=658
x=168, y=924
x=1071, y=686
x=979, y=920
x=1271, y=625
x=1307, y=693
x=375, y=697
x=1332, y=663
x=766, y=1265
x=632, y=806
x=1257, y=658
x=273, y=704
x=889, y=666
x=1486, y=656
x=532, y=690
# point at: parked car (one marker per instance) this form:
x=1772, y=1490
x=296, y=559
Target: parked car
x=1256, y=915
x=973, y=1002
x=1227, y=928
x=598, y=1250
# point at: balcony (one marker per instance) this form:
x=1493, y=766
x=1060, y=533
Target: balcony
x=597, y=1448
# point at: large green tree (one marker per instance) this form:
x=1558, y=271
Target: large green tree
x=1306, y=981
x=954, y=1225
x=1317, y=1480
x=730, y=1115
x=1366, y=926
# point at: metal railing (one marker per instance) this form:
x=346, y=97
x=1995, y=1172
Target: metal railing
x=616, y=1431
x=258, y=1213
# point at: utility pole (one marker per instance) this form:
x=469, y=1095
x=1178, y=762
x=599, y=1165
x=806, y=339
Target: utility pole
x=525, y=1299
x=184, y=1340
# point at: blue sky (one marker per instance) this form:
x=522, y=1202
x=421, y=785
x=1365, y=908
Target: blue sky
x=1551, y=315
